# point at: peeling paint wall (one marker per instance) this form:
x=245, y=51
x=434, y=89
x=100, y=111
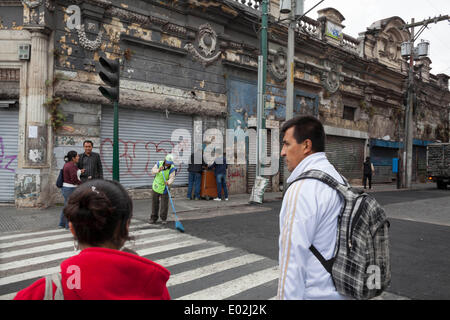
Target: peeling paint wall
x=183, y=56
x=11, y=18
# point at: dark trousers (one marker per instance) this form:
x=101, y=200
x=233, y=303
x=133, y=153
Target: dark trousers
x=367, y=176
x=158, y=198
x=195, y=179
x=221, y=183
x=66, y=192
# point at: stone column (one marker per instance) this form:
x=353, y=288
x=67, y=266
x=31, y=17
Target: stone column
x=34, y=165
x=37, y=131
x=32, y=177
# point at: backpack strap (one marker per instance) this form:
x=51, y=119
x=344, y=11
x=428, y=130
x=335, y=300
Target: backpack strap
x=333, y=183
x=327, y=264
x=325, y=178
x=49, y=280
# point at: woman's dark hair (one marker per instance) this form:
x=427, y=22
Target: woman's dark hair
x=70, y=155
x=99, y=211
x=307, y=127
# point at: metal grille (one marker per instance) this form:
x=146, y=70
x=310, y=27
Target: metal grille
x=382, y=162
x=347, y=155
x=8, y=152
x=144, y=139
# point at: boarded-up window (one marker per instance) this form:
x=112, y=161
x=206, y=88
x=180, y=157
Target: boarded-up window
x=349, y=113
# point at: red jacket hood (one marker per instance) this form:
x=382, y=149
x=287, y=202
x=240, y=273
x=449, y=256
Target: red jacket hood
x=106, y=274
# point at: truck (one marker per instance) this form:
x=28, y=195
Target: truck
x=438, y=164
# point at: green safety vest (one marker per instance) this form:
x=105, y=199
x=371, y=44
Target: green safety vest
x=158, y=183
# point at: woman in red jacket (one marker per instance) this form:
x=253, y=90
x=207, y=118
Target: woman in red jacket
x=99, y=214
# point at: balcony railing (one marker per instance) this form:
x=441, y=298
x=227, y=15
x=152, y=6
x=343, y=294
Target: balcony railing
x=309, y=26
x=254, y=4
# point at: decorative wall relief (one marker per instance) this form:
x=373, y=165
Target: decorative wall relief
x=32, y=4
x=87, y=44
x=205, y=49
x=331, y=78
x=74, y=22
x=278, y=66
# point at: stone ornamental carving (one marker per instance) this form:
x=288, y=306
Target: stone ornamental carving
x=32, y=4
x=49, y=4
x=205, y=50
x=331, y=79
x=389, y=48
x=278, y=67
x=87, y=44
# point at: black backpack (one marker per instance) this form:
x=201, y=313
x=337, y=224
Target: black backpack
x=60, y=180
x=360, y=267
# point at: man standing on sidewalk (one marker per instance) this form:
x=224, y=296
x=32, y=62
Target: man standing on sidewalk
x=195, y=177
x=160, y=196
x=91, y=162
x=220, y=171
x=368, y=172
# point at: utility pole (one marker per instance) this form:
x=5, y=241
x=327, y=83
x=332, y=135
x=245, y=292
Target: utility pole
x=408, y=142
x=295, y=9
x=290, y=63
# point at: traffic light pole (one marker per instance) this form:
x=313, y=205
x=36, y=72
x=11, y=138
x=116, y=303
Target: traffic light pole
x=116, y=175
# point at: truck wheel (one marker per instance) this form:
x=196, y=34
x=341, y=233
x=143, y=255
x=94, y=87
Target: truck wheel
x=441, y=185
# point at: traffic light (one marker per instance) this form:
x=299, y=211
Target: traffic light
x=110, y=74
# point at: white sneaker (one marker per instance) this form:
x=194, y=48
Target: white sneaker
x=226, y=199
x=217, y=199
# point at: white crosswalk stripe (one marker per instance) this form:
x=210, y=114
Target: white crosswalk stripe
x=200, y=269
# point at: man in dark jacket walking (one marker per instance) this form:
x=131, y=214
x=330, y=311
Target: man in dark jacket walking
x=220, y=171
x=91, y=162
x=195, y=177
x=368, y=172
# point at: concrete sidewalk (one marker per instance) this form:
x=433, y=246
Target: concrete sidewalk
x=27, y=219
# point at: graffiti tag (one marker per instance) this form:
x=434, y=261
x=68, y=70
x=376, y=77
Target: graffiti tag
x=6, y=161
x=139, y=156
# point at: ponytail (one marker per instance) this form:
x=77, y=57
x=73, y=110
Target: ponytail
x=70, y=155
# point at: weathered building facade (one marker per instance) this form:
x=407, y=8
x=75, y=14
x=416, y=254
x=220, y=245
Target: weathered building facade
x=190, y=67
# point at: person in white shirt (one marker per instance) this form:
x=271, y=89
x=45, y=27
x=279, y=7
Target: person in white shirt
x=308, y=215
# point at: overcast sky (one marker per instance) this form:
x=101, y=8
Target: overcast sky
x=360, y=14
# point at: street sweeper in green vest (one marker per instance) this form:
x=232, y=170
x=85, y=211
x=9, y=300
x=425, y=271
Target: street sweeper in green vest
x=160, y=196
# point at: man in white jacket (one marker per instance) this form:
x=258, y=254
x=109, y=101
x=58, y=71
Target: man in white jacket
x=309, y=214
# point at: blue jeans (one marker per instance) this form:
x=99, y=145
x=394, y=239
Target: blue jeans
x=221, y=183
x=66, y=192
x=195, y=179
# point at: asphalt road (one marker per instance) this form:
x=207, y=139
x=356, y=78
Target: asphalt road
x=419, y=238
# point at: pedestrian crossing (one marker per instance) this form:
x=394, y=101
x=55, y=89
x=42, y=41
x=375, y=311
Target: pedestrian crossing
x=200, y=269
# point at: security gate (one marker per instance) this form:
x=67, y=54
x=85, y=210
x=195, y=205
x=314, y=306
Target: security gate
x=9, y=132
x=347, y=155
x=144, y=139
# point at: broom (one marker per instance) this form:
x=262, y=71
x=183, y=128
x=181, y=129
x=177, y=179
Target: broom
x=178, y=224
